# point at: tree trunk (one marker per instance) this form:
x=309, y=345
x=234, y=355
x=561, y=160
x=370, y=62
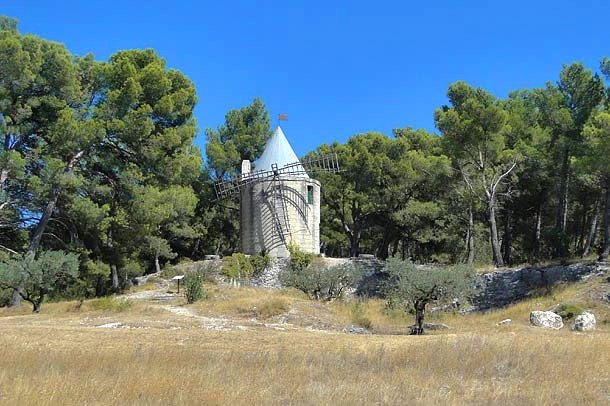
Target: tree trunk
x=115, y=277
x=507, y=240
x=606, y=248
x=3, y=177
x=562, y=210
x=198, y=241
x=157, y=267
x=384, y=247
x=354, y=246
x=495, y=245
x=592, y=228
x=418, y=328
x=470, y=236
x=395, y=247
x=42, y=223
x=36, y=305
x=538, y=231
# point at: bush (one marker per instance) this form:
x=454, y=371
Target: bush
x=193, y=287
x=5, y=296
x=111, y=304
x=259, y=263
x=359, y=315
x=322, y=283
x=170, y=272
x=207, y=271
x=237, y=266
x=568, y=310
x=299, y=259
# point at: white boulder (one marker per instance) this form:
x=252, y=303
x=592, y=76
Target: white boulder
x=504, y=322
x=584, y=322
x=546, y=320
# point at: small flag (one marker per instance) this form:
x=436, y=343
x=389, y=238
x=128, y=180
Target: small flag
x=283, y=117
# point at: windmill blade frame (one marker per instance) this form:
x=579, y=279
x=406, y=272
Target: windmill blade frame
x=325, y=163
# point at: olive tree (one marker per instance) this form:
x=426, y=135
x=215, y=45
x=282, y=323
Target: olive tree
x=34, y=277
x=420, y=286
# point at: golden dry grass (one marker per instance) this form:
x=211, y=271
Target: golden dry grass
x=59, y=357
x=42, y=365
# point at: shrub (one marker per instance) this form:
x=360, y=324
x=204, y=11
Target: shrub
x=359, y=315
x=237, y=266
x=299, y=259
x=193, y=287
x=259, y=263
x=170, y=272
x=111, y=304
x=5, y=296
x=322, y=283
x=207, y=271
x=569, y=310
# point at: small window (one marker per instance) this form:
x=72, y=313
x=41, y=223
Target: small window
x=310, y=194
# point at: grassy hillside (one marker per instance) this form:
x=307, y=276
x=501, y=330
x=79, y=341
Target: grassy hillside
x=256, y=346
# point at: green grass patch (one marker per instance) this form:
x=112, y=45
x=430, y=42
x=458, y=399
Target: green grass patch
x=111, y=304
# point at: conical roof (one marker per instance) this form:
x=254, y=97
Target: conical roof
x=278, y=151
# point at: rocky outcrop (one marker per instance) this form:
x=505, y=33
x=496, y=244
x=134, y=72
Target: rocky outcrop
x=500, y=288
x=546, y=320
x=584, y=322
x=269, y=278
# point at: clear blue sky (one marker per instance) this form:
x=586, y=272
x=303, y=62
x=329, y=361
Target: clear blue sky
x=336, y=68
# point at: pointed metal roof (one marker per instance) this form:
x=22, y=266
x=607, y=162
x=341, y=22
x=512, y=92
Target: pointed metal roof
x=278, y=151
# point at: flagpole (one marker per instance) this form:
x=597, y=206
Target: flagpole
x=281, y=117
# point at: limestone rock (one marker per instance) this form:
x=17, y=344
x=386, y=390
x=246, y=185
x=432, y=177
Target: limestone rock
x=504, y=322
x=584, y=322
x=355, y=330
x=501, y=288
x=546, y=320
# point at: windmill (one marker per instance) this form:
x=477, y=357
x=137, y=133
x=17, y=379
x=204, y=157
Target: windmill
x=279, y=202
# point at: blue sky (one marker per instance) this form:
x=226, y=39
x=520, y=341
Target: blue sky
x=336, y=68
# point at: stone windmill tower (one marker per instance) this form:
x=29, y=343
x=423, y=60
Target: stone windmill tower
x=279, y=202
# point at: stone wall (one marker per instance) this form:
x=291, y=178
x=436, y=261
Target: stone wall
x=500, y=288
x=492, y=290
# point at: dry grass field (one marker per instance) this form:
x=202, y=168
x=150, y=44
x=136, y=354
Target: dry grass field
x=247, y=346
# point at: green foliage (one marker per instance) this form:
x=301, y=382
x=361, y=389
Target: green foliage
x=112, y=304
x=8, y=24
x=259, y=263
x=322, y=283
x=170, y=272
x=418, y=287
x=242, y=136
x=193, y=287
x=237, y=266
x=569, y=310
x=476, y=133
x=98, y=158
x=33, y=277
x=299, y=259
x=5, y=297
x=408, y=283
